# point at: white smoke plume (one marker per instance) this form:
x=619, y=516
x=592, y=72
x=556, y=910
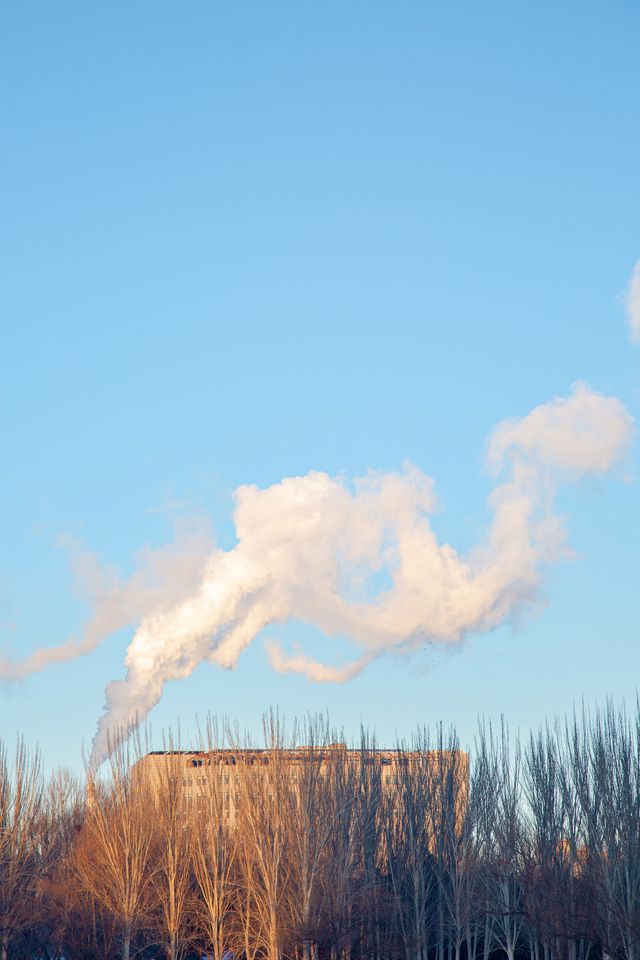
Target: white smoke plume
x=311, y=669
x=162, y=578
x=633, y=304
x=307, y=548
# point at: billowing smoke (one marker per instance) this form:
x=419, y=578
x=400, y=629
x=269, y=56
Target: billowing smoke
x=633, y=304
x=311, y=548
x=317, y=549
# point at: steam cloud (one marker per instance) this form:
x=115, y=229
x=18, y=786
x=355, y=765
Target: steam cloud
x=308, y=546
x=163, y=577
x=633, y=304
x=313, y=548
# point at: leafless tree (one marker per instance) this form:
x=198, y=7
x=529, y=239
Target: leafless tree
x=21, y=797
x=214, y=849
x=409, y=846
x=264, y=808
x=59, y=824
x=305, y=849
x=171, y=892
x=499, y=827
x=339, y=883
x=314, y=818
x=113, y=858
x=453, y=840
x=556, y=886
x=604, y=752
x=369, y=834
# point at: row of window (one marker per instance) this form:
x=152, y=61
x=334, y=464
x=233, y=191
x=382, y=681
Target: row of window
x=264, y=761
x=200, y=800
x=202, y=781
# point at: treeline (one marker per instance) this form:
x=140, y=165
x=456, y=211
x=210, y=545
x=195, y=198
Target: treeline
x=532, y=850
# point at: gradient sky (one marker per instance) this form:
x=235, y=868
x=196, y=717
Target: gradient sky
x=240, y=241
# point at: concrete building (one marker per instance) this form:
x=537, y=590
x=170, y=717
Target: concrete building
x=198, y=776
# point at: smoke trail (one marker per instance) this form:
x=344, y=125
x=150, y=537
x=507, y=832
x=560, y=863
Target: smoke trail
x=307, y=545
x=163, y=578
x=311, y=669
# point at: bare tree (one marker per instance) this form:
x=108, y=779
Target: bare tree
x=264, y=809
x=409, y=846
x=605, y=762
x=338, y=879
x=60, y=821
x=113, y=858
x=311, y=827
x=555, y=884
x=21, y=794
x=453, y=840
x=369, y=824
x=172, y=900
x=307, y=850
x=499, y=826
x=214, y=848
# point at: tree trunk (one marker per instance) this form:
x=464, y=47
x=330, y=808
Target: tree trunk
x=274, y=951
x=486, y=944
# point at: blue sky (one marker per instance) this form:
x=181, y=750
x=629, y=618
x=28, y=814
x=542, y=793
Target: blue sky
x=243, y=241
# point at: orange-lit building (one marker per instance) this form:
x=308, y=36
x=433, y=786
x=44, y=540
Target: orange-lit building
x=193, y=774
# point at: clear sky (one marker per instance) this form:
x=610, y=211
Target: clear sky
x=241, y=241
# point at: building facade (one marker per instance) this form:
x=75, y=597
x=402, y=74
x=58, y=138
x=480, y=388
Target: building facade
x=199, y=780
